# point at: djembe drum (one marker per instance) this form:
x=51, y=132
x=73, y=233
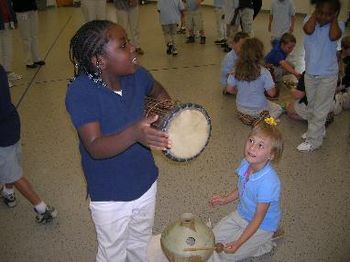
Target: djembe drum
x=188, y=240
x=188, y=126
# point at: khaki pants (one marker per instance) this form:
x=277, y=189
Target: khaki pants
x=93, y=9
x=28, y=28
x=129, y=20
x=229, y=229
x=169, y=32
x=245, y=20
x=194, y=22
x=320, y=91
x=220, y=25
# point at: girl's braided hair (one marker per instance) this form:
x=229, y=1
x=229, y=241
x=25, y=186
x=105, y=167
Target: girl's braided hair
x=89, y=41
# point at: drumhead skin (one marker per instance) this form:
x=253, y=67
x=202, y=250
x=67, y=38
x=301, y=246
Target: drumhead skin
x=189, y=129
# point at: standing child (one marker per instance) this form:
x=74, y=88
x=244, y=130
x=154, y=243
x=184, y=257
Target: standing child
x=244, y=16
x=27, y=18
x=10, y=158
x=106, y=105
x=170, y=12
x=248, y=231
x=229, y=61
x=281, y=19
x=194, y=21
x=277, y=57
x=322, y=30
x=8, y=21
x=249, y=81
x=220, y=22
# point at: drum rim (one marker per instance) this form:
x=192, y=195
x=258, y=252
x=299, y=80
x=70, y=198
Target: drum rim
x=164, y=127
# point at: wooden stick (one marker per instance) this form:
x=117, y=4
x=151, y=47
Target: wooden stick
x=199, y=248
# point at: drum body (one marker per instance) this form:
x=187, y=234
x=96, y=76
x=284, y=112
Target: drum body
x=187, y=233
x=188, y=126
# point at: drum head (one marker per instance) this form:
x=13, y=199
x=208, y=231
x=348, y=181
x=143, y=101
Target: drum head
x=189, y=129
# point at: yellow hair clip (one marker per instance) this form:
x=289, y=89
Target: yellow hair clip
x=270, y=121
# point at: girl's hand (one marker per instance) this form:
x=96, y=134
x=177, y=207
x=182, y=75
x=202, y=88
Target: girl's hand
x=217, y=200
x=231, y=247
x=149, y=136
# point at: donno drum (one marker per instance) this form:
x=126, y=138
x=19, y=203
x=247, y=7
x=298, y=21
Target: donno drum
x=188, y=126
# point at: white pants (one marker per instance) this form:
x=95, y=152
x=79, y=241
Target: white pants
x=28, y=28
x=124, y=229
x=129, y=20
x=220, y=23
x=320, y=91
x=93, y=9
x=229, y=229
x=6, y=47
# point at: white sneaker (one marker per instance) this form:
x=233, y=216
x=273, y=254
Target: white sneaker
x=305, y=147
x=303, y=136
x=12, y=76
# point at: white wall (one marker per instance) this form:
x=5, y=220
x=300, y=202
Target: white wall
x=301, y=6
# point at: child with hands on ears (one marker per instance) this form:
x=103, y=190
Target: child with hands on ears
x=106, y=105
x=247, y=232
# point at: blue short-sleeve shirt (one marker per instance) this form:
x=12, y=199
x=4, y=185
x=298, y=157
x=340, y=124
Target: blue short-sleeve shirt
x=276, y=55
x=262, y=187
x=128, y=175
x=320, y=51
x=250, y=95
x=282, y=11
x=169, y=11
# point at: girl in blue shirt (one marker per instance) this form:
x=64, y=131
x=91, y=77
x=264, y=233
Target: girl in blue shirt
x=248, y=231
x=106, y=105
x=322, y=32
x=249, y=81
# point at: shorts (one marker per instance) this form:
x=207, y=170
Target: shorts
x=10, y=163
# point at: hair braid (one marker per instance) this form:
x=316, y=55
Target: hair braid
x=89, y=41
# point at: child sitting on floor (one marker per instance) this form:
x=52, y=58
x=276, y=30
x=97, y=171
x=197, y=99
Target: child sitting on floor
x=249, y=81
x=250, y=229
x=229, y=61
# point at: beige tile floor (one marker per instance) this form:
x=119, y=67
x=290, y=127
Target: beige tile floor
x=315, y=195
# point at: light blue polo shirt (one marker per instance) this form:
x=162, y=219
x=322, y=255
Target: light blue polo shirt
x=320, y=51
x=169, y=11
x=250, y=96
x=282, y=11
x=227, y=66
x=262, y=187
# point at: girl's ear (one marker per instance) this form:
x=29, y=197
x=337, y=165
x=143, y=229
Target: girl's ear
x=99, y=61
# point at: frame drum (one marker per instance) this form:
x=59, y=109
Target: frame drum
x=188, y=126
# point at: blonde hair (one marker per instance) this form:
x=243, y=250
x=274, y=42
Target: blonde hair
x=271, y=131
x=250, y=60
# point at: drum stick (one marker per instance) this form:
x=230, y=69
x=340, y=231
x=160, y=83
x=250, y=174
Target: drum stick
x=199, y=248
